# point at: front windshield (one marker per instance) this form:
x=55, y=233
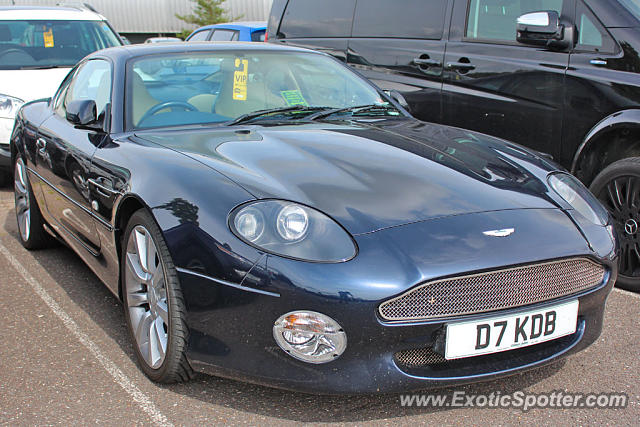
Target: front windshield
x=215, y=87
x=44, y=44
x=632, y=6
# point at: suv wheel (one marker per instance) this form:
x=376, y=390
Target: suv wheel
x=618, y=188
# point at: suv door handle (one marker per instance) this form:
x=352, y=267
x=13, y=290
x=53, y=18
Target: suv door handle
x=461, y=66
x=427, y=62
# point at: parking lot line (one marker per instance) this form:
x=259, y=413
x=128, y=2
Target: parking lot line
x=119, y=377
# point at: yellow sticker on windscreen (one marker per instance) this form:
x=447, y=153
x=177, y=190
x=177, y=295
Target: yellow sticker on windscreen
x=293, y=97
x=240, y=78
x=48, y=38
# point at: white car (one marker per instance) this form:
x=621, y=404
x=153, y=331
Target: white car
x=38, y=48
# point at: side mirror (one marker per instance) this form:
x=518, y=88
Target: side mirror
x=82, y=113
x=397, y=96
x=541, y=29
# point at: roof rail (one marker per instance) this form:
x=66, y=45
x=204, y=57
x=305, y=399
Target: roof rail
x=78, y=5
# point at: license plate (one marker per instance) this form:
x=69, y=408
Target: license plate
x=501, y=333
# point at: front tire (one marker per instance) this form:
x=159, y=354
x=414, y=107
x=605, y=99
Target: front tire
x=618, y=188
x=153, y=304
x=30, y=222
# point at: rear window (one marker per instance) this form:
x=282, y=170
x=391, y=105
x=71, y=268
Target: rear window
x=416, y=19
x=258, y=36
x=43, y=44
x=313, y=18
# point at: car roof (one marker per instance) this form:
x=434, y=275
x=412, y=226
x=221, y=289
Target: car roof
x=254, y=25
x=132, y=51
x=58, y=13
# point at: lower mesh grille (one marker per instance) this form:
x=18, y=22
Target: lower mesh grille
x=418, y=357
x=494, y=290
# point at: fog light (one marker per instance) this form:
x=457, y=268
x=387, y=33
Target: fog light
x=309, y=336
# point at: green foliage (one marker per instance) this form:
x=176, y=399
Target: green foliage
x=206, y=12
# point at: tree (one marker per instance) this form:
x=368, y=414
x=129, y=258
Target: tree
x=206, y=12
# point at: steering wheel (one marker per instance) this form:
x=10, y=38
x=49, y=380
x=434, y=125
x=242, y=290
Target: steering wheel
x=16, y=51
x=168, y=104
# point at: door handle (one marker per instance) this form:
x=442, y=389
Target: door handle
x=426, y=62
x=598, y=62
x=460, y=66
x=101, y=189
x=41, y=144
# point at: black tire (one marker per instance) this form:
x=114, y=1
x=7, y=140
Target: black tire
x=5, y=179
x=32, y=233
x=618, y=188
x=175, y=366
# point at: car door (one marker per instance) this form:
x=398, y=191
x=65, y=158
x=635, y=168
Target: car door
x=495, y=85
x=65, y=151
x=590, y=96
x=320, y=25
x=399, y=46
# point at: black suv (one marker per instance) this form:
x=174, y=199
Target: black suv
x=559, y=76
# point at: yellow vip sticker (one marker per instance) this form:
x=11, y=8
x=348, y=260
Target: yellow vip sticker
x=48, y=38
x=240, y=78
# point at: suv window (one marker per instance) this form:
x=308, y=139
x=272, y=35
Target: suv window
x=414, y=19
x=496, y=19
x=224, y=35
x=91, y=81
x=41, y=44
x=199, y=36
x=313, y=18
x=592, y=36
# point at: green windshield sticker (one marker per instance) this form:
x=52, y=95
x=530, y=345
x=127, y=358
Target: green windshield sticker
x=294, y=97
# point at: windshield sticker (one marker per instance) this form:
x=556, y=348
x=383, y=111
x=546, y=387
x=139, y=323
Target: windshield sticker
x=48, y=38
x=294, y=97
x=240, y=78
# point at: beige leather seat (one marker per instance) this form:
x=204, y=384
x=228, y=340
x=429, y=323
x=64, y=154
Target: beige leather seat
x=142, y=100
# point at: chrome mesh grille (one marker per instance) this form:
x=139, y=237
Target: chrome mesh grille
x=494, y=290
x=419, y=357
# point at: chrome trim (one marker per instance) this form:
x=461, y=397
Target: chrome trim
x=225, y=283
x=101, y=221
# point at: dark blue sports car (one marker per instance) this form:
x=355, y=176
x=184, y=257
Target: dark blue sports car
x=266, y=214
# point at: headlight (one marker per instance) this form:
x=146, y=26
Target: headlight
x=580, y=199
x=292, y=230
x=309, y=336
x=9, y=106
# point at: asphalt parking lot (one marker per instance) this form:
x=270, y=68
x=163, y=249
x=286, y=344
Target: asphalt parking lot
x=66, y=359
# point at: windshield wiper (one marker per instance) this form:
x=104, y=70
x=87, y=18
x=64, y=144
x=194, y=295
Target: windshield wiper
x=275, y=111
x=370, y=108
x=44, y=67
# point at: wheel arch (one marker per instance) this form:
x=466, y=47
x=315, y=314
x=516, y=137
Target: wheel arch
x=615, y=137
x=129, y=204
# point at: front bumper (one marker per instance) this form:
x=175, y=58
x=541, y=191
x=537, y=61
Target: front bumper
x=231, y=327
x=6, y=127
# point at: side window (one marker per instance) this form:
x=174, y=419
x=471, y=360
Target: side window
x=313, y=18
x=592, y=36
x=62, y=93
x=199, y=36
x=224, y=35
x=91, y=81
x=496, y=19
x=413, y=19
x=258, y=36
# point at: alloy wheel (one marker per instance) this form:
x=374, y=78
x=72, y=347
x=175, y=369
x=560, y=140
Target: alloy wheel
x=147, y=296
x=23, y=206
x=622, y=199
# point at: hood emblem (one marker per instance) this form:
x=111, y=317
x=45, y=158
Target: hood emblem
x=504, y=232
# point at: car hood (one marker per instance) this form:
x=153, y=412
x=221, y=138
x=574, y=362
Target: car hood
x=30, y=85
x=374, y=175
